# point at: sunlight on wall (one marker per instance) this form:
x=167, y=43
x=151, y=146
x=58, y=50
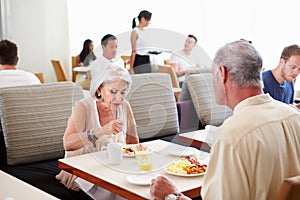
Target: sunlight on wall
x=214, y=22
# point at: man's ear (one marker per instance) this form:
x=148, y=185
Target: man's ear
x=281, y=61
x=223, y=73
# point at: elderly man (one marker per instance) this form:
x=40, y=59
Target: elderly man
x=258, y=146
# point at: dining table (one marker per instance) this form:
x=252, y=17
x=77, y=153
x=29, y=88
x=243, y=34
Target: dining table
x=13, y=188
x=127, y=180
x=196, y=139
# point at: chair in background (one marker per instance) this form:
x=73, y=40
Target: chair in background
x=203, y=98
x=169, y=70
x=201, y=108
x=126, y=60
x=40, y=76
x=153, y=104
x=290, y=189
x=167, y=62
x=74, y=64
x=59, y=71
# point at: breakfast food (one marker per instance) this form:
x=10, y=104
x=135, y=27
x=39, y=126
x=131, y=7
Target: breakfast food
x=132, y=149
x=187, y=165
x=128, y=149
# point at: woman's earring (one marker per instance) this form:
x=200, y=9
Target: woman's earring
x=99, y=96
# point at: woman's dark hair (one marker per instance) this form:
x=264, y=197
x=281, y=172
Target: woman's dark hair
x=85, y=50
x=144, y=13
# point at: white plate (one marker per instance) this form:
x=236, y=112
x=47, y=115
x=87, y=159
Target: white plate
x=128, y=154
x=184, y=175
x=182, y=151
x=131, y=154
x=144, y=179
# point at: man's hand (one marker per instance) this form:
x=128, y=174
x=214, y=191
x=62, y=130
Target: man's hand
x=161, y=187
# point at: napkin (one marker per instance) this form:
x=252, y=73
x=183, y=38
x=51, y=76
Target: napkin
x=212, y=133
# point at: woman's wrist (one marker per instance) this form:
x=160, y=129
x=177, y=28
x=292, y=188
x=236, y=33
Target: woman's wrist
x=91, y=137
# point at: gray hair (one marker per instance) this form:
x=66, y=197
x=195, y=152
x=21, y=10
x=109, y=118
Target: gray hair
x=107, y=74
x=242, y=61
x=117, y=73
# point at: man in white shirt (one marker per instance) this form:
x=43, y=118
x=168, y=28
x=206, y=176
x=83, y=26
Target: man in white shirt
x=109, y=44
x=258, y=146
x=185, y=59
x=9, y=74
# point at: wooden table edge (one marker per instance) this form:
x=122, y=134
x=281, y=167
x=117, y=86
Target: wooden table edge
x=101, y=183
x=195, y=143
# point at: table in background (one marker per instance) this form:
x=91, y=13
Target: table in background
x=14, y=188
x=195, y=139
x=92, y=167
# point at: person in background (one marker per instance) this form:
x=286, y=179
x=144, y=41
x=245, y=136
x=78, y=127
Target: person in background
x=259, y=143
x=86, y=55
x=185, y=59
x=279, y=82
x=105, y=116
x=84, y=59
x=109, y=45
x=140, y=59
x=9, y=74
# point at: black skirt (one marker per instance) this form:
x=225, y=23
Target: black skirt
x=141, y=64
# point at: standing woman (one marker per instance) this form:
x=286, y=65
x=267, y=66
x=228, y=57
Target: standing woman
x=140, y=60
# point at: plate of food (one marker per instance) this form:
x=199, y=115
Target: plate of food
x=182, y=151
x=130, y=149
x=144, y=179
x=187, y=166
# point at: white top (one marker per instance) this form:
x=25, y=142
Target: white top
x=141, y=43
x=10, y=78
x=185, y=61
x=101, y=61
x=257, y=148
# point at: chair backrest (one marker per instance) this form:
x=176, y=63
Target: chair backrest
x=34, y=119
x=203, y=97
x=74, y=63
x=167, y=62
x=185, y=94
x=40, y=76
x=169, y=70
x=153, y=104
x=59, y=70
x=290, y=189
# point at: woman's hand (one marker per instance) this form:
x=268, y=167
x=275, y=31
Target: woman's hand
x=113, y=127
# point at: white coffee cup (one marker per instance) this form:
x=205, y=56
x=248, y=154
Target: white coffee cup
x=114, y=152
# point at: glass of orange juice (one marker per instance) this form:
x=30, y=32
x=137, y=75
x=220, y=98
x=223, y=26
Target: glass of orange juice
x=141, y=155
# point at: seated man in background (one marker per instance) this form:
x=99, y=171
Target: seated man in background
x=184, y=59
x=109, y=44
x=279, y=82
x=258, y=146
x=9, y=74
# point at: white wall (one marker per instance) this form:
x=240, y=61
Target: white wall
x=40, y=29
x=46, y=29
x=270, y=26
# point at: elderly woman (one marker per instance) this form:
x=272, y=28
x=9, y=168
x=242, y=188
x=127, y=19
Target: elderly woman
x=103, y=117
